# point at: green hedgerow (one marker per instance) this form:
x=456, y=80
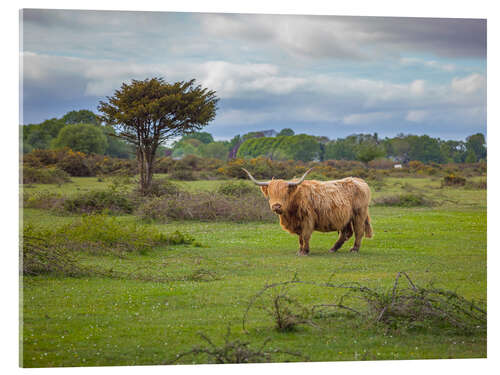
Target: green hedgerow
x=99, y=201
x=404, y=200
x=237, y=188
x=42, y=175
x=101, y=233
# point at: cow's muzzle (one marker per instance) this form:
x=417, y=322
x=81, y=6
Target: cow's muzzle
x=277, y=209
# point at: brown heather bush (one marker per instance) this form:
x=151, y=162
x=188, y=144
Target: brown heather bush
x=164, y=165
x=194, y=167
x=159, y=187
x=343, y=164
x=183, y=175
x=479, y=185
x=453, y=180
x=78, y=163
x=206, y=206
x=381, y=164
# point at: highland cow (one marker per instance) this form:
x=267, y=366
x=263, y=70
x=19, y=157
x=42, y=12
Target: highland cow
x=308, y=205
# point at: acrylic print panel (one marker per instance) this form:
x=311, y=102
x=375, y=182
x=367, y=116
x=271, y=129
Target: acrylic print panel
x=145, y=242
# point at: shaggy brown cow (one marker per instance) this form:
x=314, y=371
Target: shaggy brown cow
x=306, y=206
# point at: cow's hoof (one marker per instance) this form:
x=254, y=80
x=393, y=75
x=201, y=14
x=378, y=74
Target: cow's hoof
x=303, y=253
x=354, y=250
x=333, y=250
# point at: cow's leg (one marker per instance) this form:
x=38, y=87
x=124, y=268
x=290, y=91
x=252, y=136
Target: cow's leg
x=304, y=243
x=359, y=228
x=345, y=234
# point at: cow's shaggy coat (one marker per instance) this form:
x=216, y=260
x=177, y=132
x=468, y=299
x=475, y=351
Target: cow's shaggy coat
x=340, y=205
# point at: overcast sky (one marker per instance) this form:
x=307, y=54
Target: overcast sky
x=320, y=75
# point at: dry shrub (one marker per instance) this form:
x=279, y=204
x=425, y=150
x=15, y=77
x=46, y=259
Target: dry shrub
x=159, y=187
x=183, y=175
x=234, y=351
x=453, y=180
x=79, y=163
x=399, y=307
x=381, y=163
x=205, y=206
x=417, y=307
x=286, y=311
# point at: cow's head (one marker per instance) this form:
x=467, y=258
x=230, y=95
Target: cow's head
x=278, y=192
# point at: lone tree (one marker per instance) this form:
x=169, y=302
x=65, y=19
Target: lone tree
x=147, y=113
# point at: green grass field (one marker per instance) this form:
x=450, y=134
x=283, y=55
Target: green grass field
x=97, y=321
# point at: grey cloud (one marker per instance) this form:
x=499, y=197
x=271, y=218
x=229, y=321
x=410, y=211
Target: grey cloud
x=143, y=35
x=355, y=37
x=102, y=34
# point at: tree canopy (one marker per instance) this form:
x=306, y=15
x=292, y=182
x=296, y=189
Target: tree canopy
x=147, y=113
x=44, y=135
x=87, y=138
x=83, y=116
x=297, y=147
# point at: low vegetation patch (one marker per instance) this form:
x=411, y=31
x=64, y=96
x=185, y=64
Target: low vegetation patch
x=405, y=200
x=183, y=175
x=476, y=185
x=234, y=351
x=206, y=206
x=410, y=307
x=99, y=201
x=160, y=187
x=286, y=312
x=41, y=255
x=96, y=235
x=237, y=189
x=43, y=200
x=453, y=180
x=32, y=175
x=103, y=234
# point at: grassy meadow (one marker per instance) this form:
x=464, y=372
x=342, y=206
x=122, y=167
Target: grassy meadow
x=171, y=294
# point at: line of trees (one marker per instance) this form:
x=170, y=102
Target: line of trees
x=79, y=130
x=366, y=147
x=82, y=131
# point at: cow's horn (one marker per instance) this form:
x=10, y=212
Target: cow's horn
x=254, y=180
x=295, y=183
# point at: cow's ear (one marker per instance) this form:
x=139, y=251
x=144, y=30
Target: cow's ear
x=264, y=190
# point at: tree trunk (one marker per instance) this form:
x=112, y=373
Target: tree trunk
x=145, y=160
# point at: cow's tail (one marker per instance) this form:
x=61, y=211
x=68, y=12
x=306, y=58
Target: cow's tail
x=368, y=227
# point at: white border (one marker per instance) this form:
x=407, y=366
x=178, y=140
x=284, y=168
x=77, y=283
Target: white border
x=422, y=8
